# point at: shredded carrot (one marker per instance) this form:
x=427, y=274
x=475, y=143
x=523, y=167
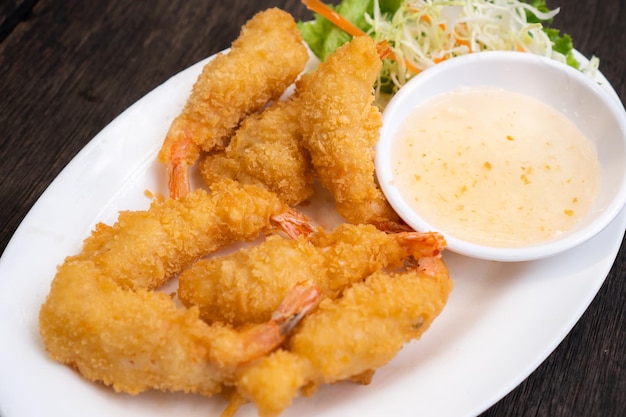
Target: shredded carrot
x=344, y=24
x=460, y=39
x=384, y=49
x=464, y=42
x=426, y=18
x=429, y=21
x=335, y=18
x=408, y=64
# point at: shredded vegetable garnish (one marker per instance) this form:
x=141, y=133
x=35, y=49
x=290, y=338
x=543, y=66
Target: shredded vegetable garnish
x=422, y=33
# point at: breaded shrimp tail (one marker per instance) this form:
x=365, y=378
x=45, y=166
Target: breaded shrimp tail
x=101, y=318
x=145, y=248
x=263, y=61
x=340, y=127
x=247, y=285
x=350, y=337
x=140, y=340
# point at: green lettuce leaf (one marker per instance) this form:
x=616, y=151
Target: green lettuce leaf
x=324, y=38
x=560, y=43
x=563, y=44
x=390, y=6
x=539, y=5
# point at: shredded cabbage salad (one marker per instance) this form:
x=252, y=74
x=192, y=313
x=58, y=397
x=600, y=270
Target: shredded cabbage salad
x=422, y=33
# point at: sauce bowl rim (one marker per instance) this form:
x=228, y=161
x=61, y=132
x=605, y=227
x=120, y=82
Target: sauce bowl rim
x=404, y=101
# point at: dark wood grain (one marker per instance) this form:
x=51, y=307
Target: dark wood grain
x=13, y=12
x=69, y=67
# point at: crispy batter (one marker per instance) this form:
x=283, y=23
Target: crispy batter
x=140, y=340
x=100, y=318
x=263, y=61
x=242, y=287
x=266, y=151
x=340, y=128
x=361, y=331
x=103, y=318
x=248, y=285
x=145, y=248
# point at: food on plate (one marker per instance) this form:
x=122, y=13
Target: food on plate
x=340, y=127
x=348, y=338
x=422, y=33
x=266, y=150
x=146, y=248
x=140, y=340
x=248, y=285
x=263, y=61
x=102, y=318
x=350, y=298
x=330, y=124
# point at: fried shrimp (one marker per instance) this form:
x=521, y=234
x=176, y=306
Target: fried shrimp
x=350, y=337
x=248, y=285
x=263, y=61
x=268, y=322
x=266, y=151
x=340, y=127
x=145, y=248
x=101, y=318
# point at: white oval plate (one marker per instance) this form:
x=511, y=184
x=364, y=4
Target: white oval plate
x=501, y=322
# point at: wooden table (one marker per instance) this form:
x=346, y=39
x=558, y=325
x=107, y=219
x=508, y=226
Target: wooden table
x=68, y=67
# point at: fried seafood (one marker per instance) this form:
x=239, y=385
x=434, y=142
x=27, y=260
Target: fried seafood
x=271, y=321
x=350, y=337
x=340, y=127
x=263, y=61
x=266, y=150
x=145, y=248
x=101, y=318
x=248, y=285
x=140, y=340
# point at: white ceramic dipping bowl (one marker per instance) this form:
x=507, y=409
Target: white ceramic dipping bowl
x=594, y=109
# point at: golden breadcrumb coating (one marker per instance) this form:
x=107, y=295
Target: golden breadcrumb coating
x=351, y=336
x=248, y=285
x=101, y=318
x=143, y=249
x=262, y=62
x=266, y=151
x=340, y=126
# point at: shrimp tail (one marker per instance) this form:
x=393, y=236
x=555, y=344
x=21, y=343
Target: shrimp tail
x=421, y=245
x=294, y=223
x=263, y=338
x=299, y=302
x=389, y=226
x=180, y=153
x=235, y=402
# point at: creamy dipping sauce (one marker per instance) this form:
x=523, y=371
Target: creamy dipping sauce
x=494, y=167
